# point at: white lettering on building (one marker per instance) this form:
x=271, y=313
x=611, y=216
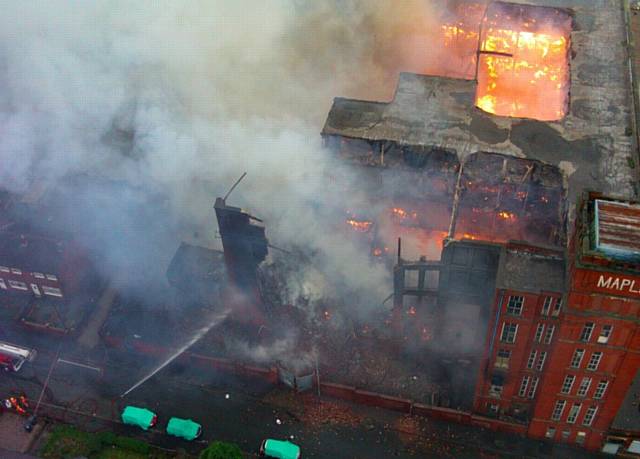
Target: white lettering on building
x=618, y=283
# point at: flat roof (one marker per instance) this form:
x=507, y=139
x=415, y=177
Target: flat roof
x=593, y=144
x=528, y=269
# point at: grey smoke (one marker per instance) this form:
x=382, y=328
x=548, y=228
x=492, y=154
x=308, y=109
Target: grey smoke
x=178, y=98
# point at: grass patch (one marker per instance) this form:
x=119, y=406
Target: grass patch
x=66, y=441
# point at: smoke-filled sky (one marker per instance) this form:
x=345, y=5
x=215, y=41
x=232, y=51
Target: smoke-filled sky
x=181, y=97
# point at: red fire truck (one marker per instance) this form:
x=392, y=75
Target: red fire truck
x=12, y=357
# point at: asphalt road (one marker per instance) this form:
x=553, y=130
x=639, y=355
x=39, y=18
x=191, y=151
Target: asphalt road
x=241, y=411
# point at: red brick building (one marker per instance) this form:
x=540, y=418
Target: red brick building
x=527, y=310
x=561, y=354
x=597, y=353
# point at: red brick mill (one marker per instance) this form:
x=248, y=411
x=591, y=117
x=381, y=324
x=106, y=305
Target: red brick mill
x=564, y=347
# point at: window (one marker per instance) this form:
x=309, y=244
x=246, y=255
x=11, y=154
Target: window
x=493, y=408
x=546, y=306
x=567, y=384
x=605, y=333
x=509, y=332
x=532, y=358
x=3, y=286
x=594, y=361
x=576, y=360
x=495, y=390
x=541, y=359
x=549, y=334
x=539, y=332
x=580, y=437
x=514, y=306
x=502, y=358
x=573, y=413
x=4, y=269
x=586, y=332
x=557, y=308
x=35, y=290
x=602, y=387
x=38, y=275
x=557, y=410
x=589, y=415
x=16, y=271
x=565, y=434
x=52, y=291
x=551, y=432
x=523, y=386
x=584, y=387
x=533, y=387
x=51, y=277
x=18, y=285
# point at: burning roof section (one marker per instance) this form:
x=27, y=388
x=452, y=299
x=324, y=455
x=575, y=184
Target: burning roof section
x=523, y=66
x=591, y=144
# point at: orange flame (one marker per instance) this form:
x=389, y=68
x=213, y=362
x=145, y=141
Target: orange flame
x=523, y=73
x=507, y=215
x=361, y=226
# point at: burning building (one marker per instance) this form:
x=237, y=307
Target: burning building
x=489, y=159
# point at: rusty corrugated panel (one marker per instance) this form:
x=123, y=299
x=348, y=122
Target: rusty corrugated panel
x=617, y=229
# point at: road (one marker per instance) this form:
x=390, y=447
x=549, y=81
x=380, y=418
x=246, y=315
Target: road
x=245, y=412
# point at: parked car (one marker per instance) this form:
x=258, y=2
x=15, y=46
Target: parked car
x=140, y=417
x=184, y=428
x=279, y=449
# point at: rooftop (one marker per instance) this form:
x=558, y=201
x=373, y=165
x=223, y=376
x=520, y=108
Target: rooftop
x=531, y=269
x=593, y=144
x=617, y=229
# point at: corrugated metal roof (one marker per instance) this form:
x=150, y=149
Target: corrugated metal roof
x=617, y=229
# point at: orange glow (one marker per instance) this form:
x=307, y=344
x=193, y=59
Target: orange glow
x=523, y=69
x=411, y=311
x=361, y=226
x=507, y=215
x=402, y=214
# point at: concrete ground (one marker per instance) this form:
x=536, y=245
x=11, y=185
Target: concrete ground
x=13, y=437
x=246, y=412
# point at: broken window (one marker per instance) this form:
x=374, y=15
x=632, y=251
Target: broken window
x=502, y=358
x=52, y=291
x=18, y=285
x=605, y=333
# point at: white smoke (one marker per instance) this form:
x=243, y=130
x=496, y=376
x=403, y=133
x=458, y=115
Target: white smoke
x=184, y=96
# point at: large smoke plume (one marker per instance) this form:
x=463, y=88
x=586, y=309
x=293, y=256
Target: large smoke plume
x=178, y=98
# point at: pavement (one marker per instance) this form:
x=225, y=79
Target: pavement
x=247, y=411
x=13, y=437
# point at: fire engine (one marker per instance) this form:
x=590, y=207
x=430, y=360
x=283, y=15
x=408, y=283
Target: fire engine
x=12, y=357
